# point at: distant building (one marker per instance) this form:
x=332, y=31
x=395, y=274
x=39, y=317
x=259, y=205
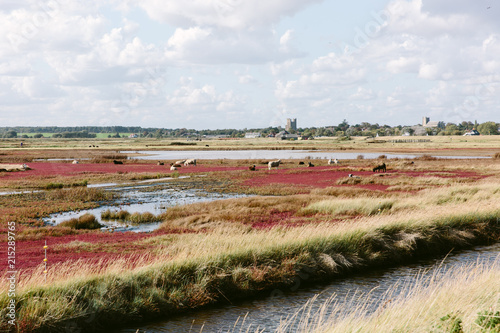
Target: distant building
x=427, y=123
x=252, y=135
x=291, y=124
x=284, y=135
x=472, y=132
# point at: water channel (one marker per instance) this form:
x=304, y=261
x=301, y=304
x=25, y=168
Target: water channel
x=266, y=313
x=146, y=196
x=266, y=154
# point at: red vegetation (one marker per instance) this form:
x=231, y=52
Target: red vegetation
x=68, y=169
x=103, y=246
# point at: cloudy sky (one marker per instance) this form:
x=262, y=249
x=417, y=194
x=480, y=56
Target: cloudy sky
x=209, y=64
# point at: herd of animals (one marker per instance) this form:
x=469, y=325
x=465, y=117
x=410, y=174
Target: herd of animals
x=272, y=164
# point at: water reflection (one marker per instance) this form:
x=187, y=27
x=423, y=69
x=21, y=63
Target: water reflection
x=152, y=198
x=267, y=313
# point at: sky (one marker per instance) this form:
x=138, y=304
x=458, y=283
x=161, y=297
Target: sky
x=216, y=64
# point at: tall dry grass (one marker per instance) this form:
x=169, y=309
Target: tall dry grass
x=185, y=271
x=465, y=299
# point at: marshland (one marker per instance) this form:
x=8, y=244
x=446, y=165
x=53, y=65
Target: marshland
x=326, y=222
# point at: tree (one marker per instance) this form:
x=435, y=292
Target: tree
x=488, y=128
x=343, y=126
x=10, y=134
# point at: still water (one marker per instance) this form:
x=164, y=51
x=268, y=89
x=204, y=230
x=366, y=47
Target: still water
x=153, y=198
x=266, y=313
x=265, y=154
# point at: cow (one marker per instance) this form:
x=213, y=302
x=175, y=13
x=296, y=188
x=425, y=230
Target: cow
x=273, y=164
x=190, y=161
x=382, y=167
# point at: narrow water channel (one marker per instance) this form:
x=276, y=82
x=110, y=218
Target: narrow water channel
x=267, y=313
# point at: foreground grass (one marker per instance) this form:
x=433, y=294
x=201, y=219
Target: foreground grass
x=464, y=299
x=187, y=271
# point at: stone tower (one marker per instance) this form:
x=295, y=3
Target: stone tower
x=291, y=124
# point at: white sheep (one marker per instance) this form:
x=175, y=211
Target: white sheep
x=274, y=164
x=172, y=168
x=190, y=161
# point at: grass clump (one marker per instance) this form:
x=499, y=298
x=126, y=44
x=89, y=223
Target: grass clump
x=114, y=215
x=86, y=221
x=124, y=215
x=360, y=206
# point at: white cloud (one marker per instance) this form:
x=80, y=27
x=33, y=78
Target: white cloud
x=232, y=14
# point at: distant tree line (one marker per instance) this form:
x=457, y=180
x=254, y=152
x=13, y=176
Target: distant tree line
x=343, y=129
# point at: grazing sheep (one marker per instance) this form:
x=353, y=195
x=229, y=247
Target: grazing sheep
x=353, y=176
x=190, y=161
x=180, y=162
x=382, y=167
x=159, y=163
x=310, y=165
x=117, y=162
x=251, y=168
x=333, y=161
x=301, y=163
x=172, y=168
x=74, y=162
x=274, y=164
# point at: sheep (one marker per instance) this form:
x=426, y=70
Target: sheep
x=310, y=165
x=251, y=168
x=175, y=165
x=180, y=162
x=190, y=161
x=172, y=168
x=301, y=163
x=117, y=162
x=159, y=163
x=273, y=164
x=333, y=161
x=74, y=162
x=381, y=167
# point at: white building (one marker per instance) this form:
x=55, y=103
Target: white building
x=252, y=135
